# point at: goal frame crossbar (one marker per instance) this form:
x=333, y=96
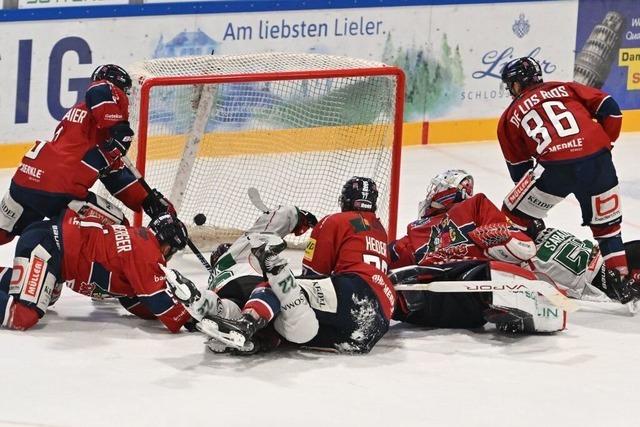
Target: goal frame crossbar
x=396, y=149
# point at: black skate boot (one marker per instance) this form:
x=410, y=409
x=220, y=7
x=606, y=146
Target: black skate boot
x=509, y=320
x=621, y=290
x=266, y=247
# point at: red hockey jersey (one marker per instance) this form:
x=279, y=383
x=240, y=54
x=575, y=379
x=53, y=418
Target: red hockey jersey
x=119, y=261
x=555, y=121
x=352, y=242
x=68, y=165
x=445, y=237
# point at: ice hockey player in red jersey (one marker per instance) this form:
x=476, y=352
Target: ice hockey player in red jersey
x=86, y=146
x=460, y=236
x=557, y=138
x=454, y=224
x=348, y=299
x=94, y=259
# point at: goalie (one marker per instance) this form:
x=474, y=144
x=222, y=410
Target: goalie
x=342, y=303
x=87, y=145
x=462, y=236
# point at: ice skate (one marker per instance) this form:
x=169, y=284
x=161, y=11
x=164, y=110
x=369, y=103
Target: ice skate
x=266, y=247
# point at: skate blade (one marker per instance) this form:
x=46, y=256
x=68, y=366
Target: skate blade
x=231, y=339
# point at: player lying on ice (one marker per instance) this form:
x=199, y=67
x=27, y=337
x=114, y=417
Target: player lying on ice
x=455, y=225
x=579, y=269
x=94, y=259
x=87, y=145
x=462, y=236
x=343, y=302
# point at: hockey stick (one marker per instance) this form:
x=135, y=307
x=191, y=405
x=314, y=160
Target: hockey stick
x=148, y=189
x=547, y=290
x=254, y=196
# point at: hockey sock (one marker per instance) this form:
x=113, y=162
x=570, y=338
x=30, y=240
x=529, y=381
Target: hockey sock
x=611, y=247
x=263, y=302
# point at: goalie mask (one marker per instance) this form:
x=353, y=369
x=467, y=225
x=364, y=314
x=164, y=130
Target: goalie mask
x=171, y=231
x=114, y=74
x=359, y=194
x=444, y=190
x=525, y=71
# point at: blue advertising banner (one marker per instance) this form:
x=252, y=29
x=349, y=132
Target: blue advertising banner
x=608, y=48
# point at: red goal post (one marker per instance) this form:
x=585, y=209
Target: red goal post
x=236, y=129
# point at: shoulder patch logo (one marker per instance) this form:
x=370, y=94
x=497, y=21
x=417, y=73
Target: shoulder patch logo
x=310, y=249
x=360, y=224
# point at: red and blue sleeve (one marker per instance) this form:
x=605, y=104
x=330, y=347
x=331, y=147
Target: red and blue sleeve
x=108, y=104
x=602, y=107
x=514, y=149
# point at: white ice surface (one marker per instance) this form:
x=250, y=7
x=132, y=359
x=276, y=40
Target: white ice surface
x=90, y=364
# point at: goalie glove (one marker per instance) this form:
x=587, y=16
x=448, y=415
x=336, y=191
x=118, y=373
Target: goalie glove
x=490, y=235
x=503, y=244
x=306, y=220
x=156, y=204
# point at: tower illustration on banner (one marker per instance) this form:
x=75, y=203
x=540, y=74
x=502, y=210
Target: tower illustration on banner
x=593, y=62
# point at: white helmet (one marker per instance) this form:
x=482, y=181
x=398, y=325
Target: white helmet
x=445, y=189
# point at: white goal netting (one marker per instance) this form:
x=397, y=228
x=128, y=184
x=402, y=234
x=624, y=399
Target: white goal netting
x=295, y=126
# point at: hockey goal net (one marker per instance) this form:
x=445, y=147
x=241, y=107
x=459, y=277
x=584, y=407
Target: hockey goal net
x=294, y=126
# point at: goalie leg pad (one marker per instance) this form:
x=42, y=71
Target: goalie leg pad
x=546, y=317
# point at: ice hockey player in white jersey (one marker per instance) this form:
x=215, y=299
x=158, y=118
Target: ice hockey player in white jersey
x=577, y=267
x=236, y=285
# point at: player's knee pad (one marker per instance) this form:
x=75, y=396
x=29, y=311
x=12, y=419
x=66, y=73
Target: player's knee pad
x=98, y=209
x=10, y=213
x=32, y=283
x=528, y=199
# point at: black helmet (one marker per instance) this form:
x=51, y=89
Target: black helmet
x=525, y=71
x=359, y=194
x=170, y=230
x=114, y=74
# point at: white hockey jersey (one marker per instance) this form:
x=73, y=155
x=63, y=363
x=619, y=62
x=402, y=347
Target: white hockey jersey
x=238, y=260
x=570, y=263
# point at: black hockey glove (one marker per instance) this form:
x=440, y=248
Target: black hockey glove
x=306, y=220
x=119, y=142
x=156, y=204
